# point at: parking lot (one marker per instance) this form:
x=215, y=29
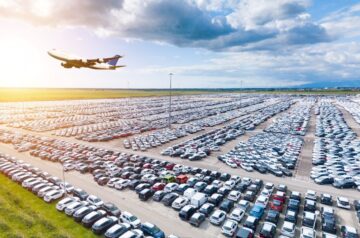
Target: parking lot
x=235, y=118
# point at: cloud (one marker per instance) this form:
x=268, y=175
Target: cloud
x=212, y=24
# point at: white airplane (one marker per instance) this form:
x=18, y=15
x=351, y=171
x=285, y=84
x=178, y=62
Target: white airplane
x=70, y=61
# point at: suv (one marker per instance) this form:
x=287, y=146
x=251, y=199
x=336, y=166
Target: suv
x=268, y=230
x=186, y=212
x=251, y=222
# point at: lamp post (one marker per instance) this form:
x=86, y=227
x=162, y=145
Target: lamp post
x=170, y=91
x=63, y=174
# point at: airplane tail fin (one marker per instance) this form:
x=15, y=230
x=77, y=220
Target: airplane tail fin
x=114, y=61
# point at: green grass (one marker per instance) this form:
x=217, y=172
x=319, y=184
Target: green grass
x=23, y=94
x=42, y=94
x=22, y=214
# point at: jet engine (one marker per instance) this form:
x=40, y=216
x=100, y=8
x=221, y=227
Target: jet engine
x=67, y=66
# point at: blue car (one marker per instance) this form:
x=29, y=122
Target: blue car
x=257, y=211
x=152, y=230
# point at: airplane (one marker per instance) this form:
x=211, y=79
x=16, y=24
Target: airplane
x=76, y=62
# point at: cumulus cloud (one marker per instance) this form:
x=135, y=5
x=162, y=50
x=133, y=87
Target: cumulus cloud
x=212, y=24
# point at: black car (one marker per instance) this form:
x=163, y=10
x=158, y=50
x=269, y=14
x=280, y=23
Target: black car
x=207, y=209
x=141, y=187
x=224, y=191
x=286, y=172
x=79, y=214
x=309, y=205
x=77, y=192
x=272, y=216
x=145, y=194
x=103, y=224
x=291, y=216
x=224, y=177
x=241, y=187
x=260, y=168
x=181, y=188
x=324, y=180
x=169, y=198
x=251, y=222
x=294, y=205
x=196, y=219
x=133, y=184
x=186, y=212
x=210, y=189
x=357, y=205
x=249, y=196
x=326, y=199
x=344, y=184
x=92, y=217
x=158, y=196
x=244, y=232
x=111, y=209
x=226, y=205
x=216, y=199
x=117, y=230
x=328, y=225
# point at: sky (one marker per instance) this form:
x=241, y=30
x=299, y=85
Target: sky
x=204, y=43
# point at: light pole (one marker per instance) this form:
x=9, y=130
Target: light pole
x=63, y=174
x=240, y=91
x=170, y=91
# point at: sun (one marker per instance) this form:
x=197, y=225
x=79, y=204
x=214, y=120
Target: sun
x=19, y=60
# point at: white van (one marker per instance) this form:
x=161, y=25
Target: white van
x=189, y=193
x=198, y=199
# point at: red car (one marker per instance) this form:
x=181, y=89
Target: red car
x=277, y=205
x=182, y=179
x=281, y=196
x=158, y=186
x=147, y=166
x=170, y=166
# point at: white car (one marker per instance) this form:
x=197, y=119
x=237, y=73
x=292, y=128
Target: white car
x=129, y=218
x=310, y=194
x=229, y=228
x=170, y=187
x=288, y=229
x=246, y=167
x=343, y=202
x=45, y=190
x=53, y=195
x=265, y=192
x=237, y=214
x=307, y=232
x=136, y=233
x=68, y=187
x=230, y=184
x=93, y=200
x=217, y=217
x=263, y=200
x=63, y=203
x=111, y=183
x=180, y=202
x=243, y=204
x=71, y=208
x=231, y=163
x=234, y=195
x=121, y=184
x=68, y=166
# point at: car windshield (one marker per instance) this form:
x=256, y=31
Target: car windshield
x=96, y=200
x=154, y=229
x=132, y=218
